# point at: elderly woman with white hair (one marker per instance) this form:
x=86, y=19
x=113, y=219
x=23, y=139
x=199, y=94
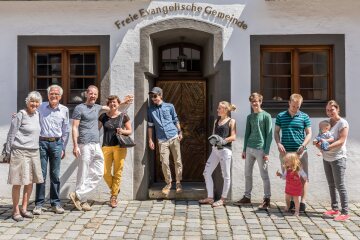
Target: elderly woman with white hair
x=23, y=146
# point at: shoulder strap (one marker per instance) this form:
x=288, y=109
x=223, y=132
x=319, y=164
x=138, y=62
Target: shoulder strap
x=229, y=127
x=228, y=122
x=13, y=130
x=216, y=124
x=217, y=121
x=121, y=119
x=23, y=112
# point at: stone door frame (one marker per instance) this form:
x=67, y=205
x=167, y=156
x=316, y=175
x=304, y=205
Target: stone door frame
x=216, y=71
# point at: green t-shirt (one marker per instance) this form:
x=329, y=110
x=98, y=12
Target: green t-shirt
x=258, y=133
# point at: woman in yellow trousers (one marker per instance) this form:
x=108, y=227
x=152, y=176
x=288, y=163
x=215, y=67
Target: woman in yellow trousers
x=114, y=156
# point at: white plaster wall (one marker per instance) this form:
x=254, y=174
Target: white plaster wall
x=61, y=18
x=262, y=17
x=297, y=17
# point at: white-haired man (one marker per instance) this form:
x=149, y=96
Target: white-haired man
x=54, y=135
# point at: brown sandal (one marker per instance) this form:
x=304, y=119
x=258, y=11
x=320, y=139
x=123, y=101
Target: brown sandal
x=113, y=201
x=206, y=201
x=26, y=214
x=17, y=217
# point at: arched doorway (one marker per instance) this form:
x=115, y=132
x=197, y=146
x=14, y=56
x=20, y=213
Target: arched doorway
x=180, y=77
x=146, y=75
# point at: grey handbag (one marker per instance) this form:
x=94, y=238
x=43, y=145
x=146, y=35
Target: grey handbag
x=5, y=157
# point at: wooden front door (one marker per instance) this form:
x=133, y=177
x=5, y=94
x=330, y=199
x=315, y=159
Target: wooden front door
x=189, y=99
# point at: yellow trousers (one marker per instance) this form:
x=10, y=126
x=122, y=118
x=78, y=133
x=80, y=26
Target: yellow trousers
x=113, y=155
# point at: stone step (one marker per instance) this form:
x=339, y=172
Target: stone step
x=191, y=191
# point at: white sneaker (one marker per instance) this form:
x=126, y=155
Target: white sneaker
x=37, y=210
x=58, y=209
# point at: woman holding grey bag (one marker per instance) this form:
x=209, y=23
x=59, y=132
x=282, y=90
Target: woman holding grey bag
x=23, y=146
x=225, y=132
x=113, y=153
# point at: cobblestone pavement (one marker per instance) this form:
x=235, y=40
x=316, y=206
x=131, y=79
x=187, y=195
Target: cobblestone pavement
x=178, y=220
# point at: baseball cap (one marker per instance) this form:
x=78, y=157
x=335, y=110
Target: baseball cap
x=156, y=90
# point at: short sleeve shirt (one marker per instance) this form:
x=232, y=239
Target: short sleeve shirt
x=292, y=129
x=339, y=152
x=110, y=125
x=88, y=126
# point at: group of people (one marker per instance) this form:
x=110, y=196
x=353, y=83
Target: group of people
x=39, y=134
x=294, y=126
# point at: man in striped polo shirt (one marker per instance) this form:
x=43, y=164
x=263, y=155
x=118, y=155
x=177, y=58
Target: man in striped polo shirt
x=295, y=129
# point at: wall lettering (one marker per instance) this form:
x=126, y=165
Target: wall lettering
x=208, y=10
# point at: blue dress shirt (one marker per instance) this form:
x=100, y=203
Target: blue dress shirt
x=164, y=118
x=54, y=122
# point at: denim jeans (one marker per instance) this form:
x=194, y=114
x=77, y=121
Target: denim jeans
x=335, y=176
x=49, y=152
x=253, y=155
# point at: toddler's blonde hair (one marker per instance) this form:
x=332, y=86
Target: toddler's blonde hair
x=294, y=160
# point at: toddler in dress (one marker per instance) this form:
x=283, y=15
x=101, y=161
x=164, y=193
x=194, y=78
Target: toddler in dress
x=294, y=176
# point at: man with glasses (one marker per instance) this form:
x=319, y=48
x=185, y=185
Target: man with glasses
x=162, y=116
x=54, y=135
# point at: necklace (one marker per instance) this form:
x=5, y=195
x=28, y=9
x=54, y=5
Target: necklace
x=223, y=121
x=113, y=115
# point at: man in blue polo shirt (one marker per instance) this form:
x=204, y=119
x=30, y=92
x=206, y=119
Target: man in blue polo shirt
x=295, y=129
x=162, y=116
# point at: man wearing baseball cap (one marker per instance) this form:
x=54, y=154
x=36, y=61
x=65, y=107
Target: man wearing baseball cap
x=162, y=116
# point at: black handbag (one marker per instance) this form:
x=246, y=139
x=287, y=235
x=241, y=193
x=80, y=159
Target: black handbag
x=125, y=141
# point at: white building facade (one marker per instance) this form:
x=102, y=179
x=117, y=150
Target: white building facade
x=200, y=53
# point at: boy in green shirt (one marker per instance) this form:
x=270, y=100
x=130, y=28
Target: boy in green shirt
x=257, y=141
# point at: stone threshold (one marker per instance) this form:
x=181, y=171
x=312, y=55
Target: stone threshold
x=191, y=191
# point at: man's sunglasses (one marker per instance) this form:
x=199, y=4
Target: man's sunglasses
x=154, y=96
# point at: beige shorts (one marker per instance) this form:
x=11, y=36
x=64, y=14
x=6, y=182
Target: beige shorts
x=25, y=167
